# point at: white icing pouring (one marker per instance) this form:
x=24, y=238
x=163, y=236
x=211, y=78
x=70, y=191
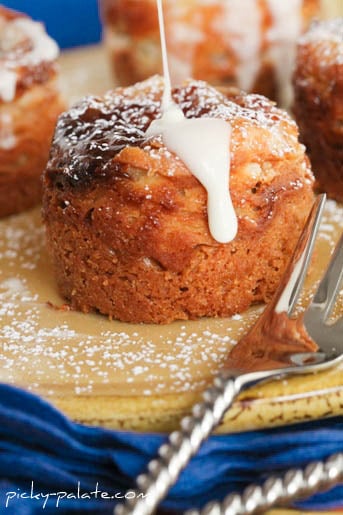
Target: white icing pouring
x=8, y=84
x=7, y=136
x=203, y=145
x=241, y=28
x=283, y=36
x=43, y=48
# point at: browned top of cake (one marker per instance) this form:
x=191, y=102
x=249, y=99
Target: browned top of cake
x=98, y=135
x=25, y=57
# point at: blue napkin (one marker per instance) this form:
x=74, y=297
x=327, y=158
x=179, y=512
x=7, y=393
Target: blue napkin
x=48, y=464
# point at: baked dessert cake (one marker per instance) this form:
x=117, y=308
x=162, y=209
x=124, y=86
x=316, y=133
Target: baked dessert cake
x=126, y=220
x=30, y=103
x=318, y=103
x=249, y=44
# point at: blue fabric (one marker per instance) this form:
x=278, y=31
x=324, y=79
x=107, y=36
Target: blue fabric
x=70, y=22
x=43, y=450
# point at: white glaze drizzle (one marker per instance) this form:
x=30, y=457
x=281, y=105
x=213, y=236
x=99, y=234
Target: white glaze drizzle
x=241, y=28
x=203, y=145
x=283, y=36
x=43, y=48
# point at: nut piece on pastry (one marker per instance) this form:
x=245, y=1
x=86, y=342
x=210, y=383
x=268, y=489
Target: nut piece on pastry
x=126, y=220
x=318, y=103
x=250, y=44
x=29, y=106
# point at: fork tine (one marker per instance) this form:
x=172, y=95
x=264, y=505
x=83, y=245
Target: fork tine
x=293, y=280
x=329, y=285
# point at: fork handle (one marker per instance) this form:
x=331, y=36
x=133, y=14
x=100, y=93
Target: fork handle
x=183, y=444
x=296, y=484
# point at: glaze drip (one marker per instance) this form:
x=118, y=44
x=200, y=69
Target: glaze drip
x=203, y=144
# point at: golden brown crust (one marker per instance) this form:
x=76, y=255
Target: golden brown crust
x=318, y=106
x=129, y=236
x=132, y=37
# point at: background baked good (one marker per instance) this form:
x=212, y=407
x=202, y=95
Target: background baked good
x=318, y=103
x=29, y=105
x=250, y=44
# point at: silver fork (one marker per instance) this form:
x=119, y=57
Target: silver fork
x=288, y=357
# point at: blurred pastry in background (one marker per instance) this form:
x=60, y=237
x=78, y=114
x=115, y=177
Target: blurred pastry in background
x=128, y=223
x=30, y=103
x=318, y=103
x=247, y=43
